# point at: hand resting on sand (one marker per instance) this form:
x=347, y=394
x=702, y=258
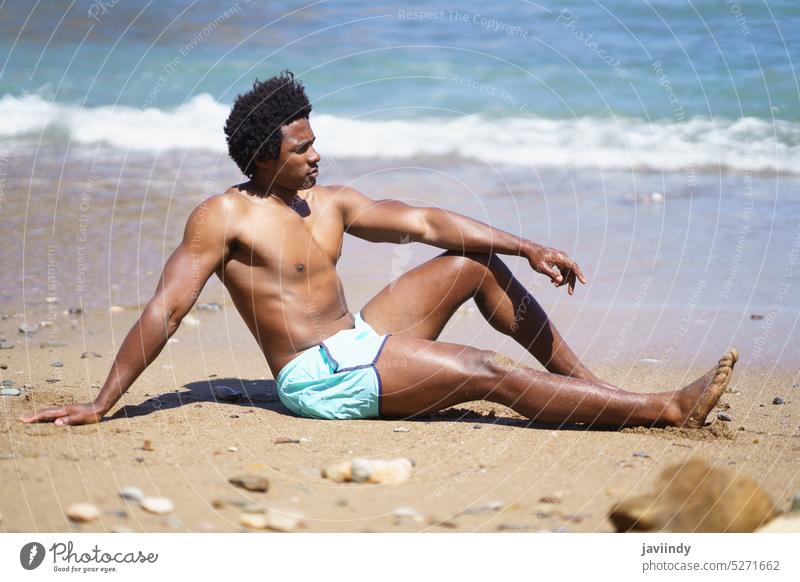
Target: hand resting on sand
x=70, y=414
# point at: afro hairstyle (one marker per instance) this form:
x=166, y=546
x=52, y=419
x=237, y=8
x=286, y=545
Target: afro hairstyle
x=253, y=128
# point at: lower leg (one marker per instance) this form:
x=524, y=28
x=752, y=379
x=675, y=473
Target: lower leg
x=555, y=399
x=513, y=311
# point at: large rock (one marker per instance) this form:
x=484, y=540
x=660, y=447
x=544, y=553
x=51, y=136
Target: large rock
x=695, y=497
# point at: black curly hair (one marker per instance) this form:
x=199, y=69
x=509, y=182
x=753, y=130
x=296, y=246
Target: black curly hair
x=253, y=129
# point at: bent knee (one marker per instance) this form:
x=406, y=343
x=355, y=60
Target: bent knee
x=473, y=261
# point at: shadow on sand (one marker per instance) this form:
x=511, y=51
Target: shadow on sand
x=263, y=394
x=255, y=394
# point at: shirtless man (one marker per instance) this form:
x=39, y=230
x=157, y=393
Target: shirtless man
x=274, y=241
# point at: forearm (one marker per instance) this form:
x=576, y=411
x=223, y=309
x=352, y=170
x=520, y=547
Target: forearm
x=452, y=231
x=141, y=346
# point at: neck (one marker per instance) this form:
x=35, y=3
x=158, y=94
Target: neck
x=266, y=187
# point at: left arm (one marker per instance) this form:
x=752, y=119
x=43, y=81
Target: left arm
x=395, y=221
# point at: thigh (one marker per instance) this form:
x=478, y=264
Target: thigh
x=421, y=302
x=419, y=376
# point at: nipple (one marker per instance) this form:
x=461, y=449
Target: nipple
x=300, y=267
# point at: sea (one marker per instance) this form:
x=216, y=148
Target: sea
x=656, y=142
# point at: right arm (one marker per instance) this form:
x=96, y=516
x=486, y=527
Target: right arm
x=206, y=242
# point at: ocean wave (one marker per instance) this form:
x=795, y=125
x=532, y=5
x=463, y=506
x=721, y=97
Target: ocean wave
x=698, y=144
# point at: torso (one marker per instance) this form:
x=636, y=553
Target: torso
x=281, y=271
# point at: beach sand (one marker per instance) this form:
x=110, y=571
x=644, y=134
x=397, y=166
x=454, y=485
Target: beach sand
x=478, y=467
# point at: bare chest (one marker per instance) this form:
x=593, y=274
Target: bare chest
x=295, y=245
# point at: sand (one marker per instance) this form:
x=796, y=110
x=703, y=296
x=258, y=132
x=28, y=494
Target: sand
x=478, y=467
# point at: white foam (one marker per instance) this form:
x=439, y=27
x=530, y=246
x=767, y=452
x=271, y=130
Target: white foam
x=746, y=144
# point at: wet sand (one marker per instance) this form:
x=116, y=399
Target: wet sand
x=478, y=467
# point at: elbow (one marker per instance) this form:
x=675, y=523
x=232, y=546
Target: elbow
x=426, y=230
x=165, y=316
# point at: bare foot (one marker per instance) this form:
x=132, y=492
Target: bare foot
x=698, y=398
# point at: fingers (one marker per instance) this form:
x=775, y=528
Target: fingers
x=45, y=414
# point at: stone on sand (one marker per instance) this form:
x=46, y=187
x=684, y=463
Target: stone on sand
x=370, y=471
x=157, y=505
x=82, y=512
x=227, y=394
x=695, y=497
x=788, y=523
x=250, y=482
x=272, y=519
x=131, y=493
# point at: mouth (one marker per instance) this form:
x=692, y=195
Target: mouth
x=313, y=173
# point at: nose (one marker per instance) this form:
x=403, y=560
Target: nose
x=313, y=157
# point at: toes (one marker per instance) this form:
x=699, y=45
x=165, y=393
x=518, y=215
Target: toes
x=735, y=353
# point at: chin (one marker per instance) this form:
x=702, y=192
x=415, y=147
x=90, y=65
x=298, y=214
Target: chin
x=309, y=182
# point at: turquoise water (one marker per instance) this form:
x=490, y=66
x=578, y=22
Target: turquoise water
x=615, y=76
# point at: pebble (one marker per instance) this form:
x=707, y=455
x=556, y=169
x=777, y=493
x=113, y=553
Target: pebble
x=789, y=523
x=489, y=507
x=650, y=361
x=254, y=520
x=57, y=364
x=407, y=513
x=82, y=512
x=131, y=493
x=401, y=429
x=777, y=400
x=157, y=505
x=118, y=528
x=74, y=310
x=724, y=416
x=795, y=502
x=9, y=392
x=6, y=345
x=85, y=355
x=28, y=328
x=116, y=309
x=227, y=394
x=52, y=344
x=209, y=307
x=380, y=471
x=250, y=482
x=191, y=320
x=148, y=446
x=369, y=471
x=513, y=527
x=641, y=454
x=233, y=449
x=254, y=508
x=756, y=317
x=51, y=299
x=288, y=441
x=285, y=522
x=7, y=383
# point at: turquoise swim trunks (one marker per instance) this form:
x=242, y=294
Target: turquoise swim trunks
x=336, y=379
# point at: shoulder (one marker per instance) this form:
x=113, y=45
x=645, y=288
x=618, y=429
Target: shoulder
x=344, y=196
x=215, y=216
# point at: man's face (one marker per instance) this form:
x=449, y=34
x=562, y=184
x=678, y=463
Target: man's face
x=296, y=167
